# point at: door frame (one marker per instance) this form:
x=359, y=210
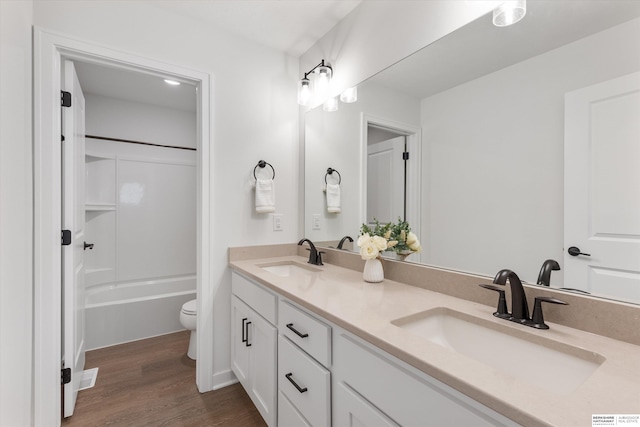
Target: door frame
x=414, y=173
x=50, y=49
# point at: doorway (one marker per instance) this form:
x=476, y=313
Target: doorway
x=391, y=159
x=50, y=51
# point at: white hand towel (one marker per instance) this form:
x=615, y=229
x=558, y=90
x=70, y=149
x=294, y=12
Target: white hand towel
x=333, y=198
x=265, y=196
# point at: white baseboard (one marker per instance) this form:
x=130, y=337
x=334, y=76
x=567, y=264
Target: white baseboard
x=224, y=379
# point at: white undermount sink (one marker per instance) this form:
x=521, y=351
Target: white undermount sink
x=290, y=268
x=553, y=366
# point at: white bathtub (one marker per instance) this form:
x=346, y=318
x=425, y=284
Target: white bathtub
x=116, y=314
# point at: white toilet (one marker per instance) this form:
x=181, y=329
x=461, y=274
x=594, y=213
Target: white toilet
x=188, y=320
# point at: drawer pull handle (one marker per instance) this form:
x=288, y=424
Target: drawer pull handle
x=247, y=343
x=298, y=333
x=300, y=389
x=244, y=337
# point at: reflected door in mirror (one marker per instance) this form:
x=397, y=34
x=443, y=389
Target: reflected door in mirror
x=602, y=188
x=386, y=180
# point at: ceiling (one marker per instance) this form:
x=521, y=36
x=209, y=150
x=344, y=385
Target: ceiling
x=290, y=26
x=480, y=48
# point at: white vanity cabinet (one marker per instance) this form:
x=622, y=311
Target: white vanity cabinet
x=253, y=344
x=318, y=375
x=373, y=388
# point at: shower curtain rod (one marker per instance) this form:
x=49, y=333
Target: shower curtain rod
x=104, y=138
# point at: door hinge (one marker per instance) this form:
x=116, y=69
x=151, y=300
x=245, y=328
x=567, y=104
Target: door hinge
x=65, y=377
x=66, y=237
x=405, y=155
x=62, y=139
x=65, y=98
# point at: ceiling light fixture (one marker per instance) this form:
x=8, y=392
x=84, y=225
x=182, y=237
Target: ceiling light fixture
x=171, y=82
x=318, y=90
x=509, y=12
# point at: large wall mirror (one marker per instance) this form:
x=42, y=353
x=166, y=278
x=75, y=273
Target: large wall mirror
x=495, y=178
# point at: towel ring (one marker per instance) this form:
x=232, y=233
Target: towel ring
x=262, y=164
x=330, y=171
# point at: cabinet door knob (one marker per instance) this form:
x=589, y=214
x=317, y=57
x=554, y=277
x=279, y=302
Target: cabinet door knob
x=298, y=333
x=300, y=389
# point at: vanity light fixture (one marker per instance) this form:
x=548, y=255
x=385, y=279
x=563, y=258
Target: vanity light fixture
x=509, y=12
x=331, y=104
x=319, y=90
x=171, y=82
x=349, y=95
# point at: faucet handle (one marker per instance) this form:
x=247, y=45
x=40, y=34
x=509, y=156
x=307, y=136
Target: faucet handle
x=537, y=319
x=319, y=259
x=502, y=301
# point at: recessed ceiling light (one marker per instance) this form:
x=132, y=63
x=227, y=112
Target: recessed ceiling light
x=171, y=82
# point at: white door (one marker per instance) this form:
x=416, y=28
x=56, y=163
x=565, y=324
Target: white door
x=73, y=193
x=385, y=180
x=602, y=188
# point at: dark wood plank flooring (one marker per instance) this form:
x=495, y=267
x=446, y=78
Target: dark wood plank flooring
x=152, y=383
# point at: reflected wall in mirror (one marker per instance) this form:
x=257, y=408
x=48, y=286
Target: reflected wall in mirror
x=489, y=107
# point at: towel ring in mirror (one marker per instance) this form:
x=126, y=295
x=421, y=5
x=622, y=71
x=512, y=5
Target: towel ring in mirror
x=330, y=171
x=262, y=164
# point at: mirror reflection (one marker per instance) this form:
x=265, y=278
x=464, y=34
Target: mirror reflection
x=498, y=174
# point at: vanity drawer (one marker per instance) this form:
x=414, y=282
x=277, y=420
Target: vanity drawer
x=255, y=296
x=305, y=383
x=309, y=333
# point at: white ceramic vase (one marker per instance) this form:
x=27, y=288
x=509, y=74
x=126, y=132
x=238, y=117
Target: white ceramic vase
x=373, y=271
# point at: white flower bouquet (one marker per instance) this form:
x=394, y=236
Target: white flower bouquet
x=387, y=237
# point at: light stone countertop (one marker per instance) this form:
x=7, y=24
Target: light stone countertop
x=367, y=309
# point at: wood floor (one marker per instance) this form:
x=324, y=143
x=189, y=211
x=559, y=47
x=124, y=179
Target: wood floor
x=152, y=383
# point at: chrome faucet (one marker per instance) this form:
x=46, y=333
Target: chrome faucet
x=315, y=257
x=519, y=307
x=343, y=240
x=544, y=277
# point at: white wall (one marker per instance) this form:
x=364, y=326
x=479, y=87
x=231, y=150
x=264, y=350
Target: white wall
x=15, y=214
x=117, y=118
x=254, y=116
x=493, y=175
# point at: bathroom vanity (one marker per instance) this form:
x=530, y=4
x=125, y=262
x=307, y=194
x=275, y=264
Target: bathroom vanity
x=331, y=349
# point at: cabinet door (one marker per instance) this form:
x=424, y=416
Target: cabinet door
x=239, y=346
x=352, y=410
x=262, y=366
x=288, y=415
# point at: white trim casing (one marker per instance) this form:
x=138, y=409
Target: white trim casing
x=49, y=49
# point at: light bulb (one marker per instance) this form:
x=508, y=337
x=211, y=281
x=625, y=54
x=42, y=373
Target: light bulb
x=509, y=12
x=304, y=92
x=349, y=95
x=323, y=80
x=331, y=104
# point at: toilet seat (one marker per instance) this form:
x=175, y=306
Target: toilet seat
x=189, y=307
